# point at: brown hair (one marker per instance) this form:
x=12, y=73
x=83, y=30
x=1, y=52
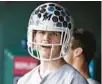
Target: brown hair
x=84, y=39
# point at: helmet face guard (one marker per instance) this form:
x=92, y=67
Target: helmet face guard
x=49, y=17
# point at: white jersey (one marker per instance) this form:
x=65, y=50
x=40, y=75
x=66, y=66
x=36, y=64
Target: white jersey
x=92, y=81
x=64, y=75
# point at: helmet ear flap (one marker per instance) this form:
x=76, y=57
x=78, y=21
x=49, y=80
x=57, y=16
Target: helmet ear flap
x=65, y=40
x=65, y=43
x=64, y=50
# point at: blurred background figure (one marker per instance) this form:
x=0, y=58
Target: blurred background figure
x=81, y=50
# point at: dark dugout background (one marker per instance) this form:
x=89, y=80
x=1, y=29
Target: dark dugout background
x=14, y=18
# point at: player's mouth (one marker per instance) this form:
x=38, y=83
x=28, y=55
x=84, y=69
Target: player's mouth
x=47, y=47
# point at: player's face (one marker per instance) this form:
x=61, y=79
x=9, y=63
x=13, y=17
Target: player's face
x=48, y=37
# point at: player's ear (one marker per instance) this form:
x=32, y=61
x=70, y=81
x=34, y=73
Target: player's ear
x=78, y=51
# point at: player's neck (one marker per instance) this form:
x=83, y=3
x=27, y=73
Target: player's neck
x=82, y=67
x=50, y=66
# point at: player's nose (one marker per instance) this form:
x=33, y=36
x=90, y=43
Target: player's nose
x=47, y=37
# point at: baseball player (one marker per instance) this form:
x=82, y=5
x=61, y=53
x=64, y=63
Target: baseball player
x=48, y=36
x=82, y=47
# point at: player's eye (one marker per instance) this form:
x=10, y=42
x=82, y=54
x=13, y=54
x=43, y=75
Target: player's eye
x=41, y=32
x=55, y=33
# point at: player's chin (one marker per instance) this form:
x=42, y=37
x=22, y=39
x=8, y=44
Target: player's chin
x=45, y=57
x=45, y=53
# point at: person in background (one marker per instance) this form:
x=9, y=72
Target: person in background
x=48, y=36
x=81, y=50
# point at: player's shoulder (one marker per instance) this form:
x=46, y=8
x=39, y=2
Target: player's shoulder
x=92, y=81
x=26, y=76
x=68, y=68
x=74, y=75
x=71, y=70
